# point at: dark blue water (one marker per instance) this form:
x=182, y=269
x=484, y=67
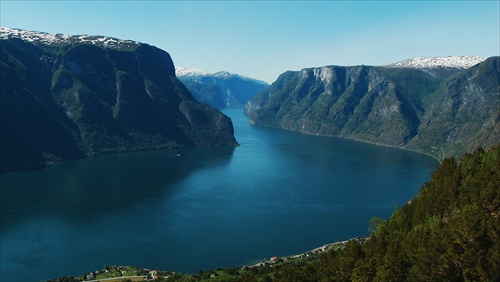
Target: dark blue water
x=279, y=193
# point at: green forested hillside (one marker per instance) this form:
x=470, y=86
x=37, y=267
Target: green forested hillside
x=399, y=107
x=449, y=232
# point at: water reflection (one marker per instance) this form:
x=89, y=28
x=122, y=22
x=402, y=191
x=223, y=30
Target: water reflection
x=100, y=184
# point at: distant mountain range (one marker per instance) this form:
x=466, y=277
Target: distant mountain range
x=438, y=106
x=65, y=97
x=220, y=89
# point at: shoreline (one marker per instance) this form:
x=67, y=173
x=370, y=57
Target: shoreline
x=352, y=139
x=142, y=274
x=275, y=260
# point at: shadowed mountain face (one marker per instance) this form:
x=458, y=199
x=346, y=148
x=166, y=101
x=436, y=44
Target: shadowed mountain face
x=75, y=97
x=400, y=107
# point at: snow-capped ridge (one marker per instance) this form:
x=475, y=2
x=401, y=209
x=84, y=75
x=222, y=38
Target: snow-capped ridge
x=226, y=74
x=460, y=62
x=48, y=38
x=188, y=72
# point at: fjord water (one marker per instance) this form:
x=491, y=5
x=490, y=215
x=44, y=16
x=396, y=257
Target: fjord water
x=279, y=193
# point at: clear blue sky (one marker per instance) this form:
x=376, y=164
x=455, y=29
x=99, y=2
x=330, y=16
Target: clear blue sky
x=262, y=39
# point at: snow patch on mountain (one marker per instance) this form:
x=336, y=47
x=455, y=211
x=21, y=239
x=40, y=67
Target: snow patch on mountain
x=187, y=72
x=460, y=62
x=190, y=72
x=47, y=38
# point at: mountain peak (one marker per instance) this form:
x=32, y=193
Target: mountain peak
x=459, y=62
x=49, y=39
x=193, y=72
x=187, y=72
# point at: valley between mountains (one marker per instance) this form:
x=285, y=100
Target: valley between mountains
x=66, y=97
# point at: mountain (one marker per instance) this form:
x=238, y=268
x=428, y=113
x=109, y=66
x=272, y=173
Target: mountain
x=404, y=107
x=463, y=114
x=220, y=89
x=208, y=93
x=441, y=67
x=65, y=97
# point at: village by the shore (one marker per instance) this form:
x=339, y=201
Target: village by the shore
x=126, y=273
x=276, y=260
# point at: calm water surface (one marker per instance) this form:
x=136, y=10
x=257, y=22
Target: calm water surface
x=279, y=193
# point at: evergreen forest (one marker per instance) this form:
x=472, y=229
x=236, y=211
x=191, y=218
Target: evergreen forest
x=449, y=232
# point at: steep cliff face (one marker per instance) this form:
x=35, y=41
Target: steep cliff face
x=355, y=102
x=232, y=89
x=400, y=107
x=65, y=97
x=209, y=94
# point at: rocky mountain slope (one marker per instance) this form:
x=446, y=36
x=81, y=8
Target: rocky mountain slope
x=404, y=107
x=65, y=97
x=220, y=89
x=463, y=114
